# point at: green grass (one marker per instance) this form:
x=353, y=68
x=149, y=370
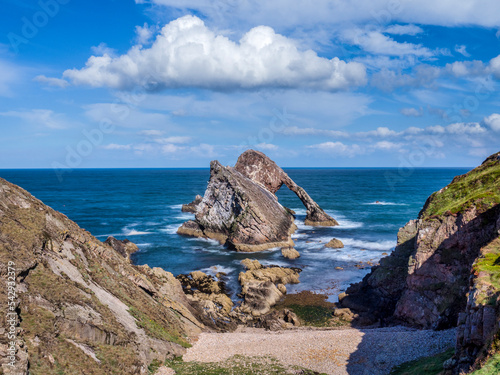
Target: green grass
x=238, y=365
x=155, y=329
x=487, y=270
x=480, y=187
x=424, y=366
x=491, y=367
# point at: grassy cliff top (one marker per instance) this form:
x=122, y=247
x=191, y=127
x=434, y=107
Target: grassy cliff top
x=479, y=187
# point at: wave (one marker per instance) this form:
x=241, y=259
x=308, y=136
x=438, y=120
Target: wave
x=300, y=211
x=383, y=245
x=382, y=203
x=133, y=232
x=170, y=229
x=184, y=216
x=176, y=206
x=144, y=245
x=218, y=268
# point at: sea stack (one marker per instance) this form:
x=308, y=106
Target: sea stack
x=240, y=208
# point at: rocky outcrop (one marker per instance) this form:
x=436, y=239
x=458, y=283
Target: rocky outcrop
x=433, y=277
x=290, y=253
x=262, y=287
x=210, y=300
x=334, y=244
x=191, y=207
x=240, y=213
x=259, y=168
x=240, y=208
x=124, y=247
x=79, y=303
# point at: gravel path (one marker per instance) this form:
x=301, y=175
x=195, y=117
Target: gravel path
x=335, y=352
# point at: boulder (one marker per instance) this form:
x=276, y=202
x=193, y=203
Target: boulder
x=289, y=253
x=335, y=244
x=262, y=287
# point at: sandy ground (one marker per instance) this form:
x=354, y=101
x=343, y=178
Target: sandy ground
x=337, y=352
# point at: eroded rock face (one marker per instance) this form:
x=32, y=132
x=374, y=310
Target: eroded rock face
x=191, y=207
x=426, y=279
x=114, y=317
x=259, y=168
x=240, y=208
x=240, y=213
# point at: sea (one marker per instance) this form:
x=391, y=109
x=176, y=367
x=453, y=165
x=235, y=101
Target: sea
x=144, y=206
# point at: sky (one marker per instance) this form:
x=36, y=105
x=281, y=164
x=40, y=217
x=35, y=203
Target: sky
x=170, y=83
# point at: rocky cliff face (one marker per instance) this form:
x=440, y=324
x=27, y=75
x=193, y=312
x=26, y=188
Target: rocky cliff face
x=75, y=302
x=240, y=208
x=433, y=277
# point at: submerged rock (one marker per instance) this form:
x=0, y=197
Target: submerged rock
x=240, y=208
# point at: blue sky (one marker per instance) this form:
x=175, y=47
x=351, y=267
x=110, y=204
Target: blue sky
x=169, y=83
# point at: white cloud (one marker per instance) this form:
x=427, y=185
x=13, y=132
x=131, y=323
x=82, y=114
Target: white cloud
x=462, y=49
x=493, y=122
x=404, y=30
x=377, y=43
x=145, y=33
x=171, y=148
x=465, y=128
x=114, y=146
x=338, y=148
x=187, y=54
x=55, y=82
x=381, y=132
x=387, y=146
x=412, y=112
x=295, y=130
x=494, y=67
x=152, y=133
x=44, y=117
x=301, y=13
x=102, y=49
x=173, y=140
x=266, y=147
x=10, y=74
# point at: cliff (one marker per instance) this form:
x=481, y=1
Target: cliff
x=240, y=208
x=444, y=269
x=70, y=302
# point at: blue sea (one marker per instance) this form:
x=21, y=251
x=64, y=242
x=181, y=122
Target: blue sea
x=144, y=205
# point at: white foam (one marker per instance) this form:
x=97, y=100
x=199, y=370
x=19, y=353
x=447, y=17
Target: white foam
x=382, y=203
x=371, y=245
x=184, y=216
x=218, y=268
x=209, y=240
x=171, y=229
x=144, y=244
x=348, y=224
x=134, y=232
x=176, y=206
x=300, y=211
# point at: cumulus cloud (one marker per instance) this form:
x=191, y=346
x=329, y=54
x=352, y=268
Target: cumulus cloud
x=404, y=30
x=412, y=112
x=145, y=33
x=493, y=122
x=188, y=54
